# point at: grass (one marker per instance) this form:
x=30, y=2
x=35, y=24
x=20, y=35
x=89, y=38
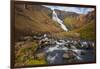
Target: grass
x=31, y=20
x=25, y=55
x=35, y=62
x=63, y=35
x=70, y=22
x=88, y=31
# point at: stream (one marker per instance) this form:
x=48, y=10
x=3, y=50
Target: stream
x=68, y=51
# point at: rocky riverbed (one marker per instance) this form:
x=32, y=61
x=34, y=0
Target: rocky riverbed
x=67, y=50
x=60, y=51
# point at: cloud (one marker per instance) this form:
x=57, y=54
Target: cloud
x=80, y=10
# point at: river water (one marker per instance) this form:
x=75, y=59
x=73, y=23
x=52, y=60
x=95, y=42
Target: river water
x=55, y=53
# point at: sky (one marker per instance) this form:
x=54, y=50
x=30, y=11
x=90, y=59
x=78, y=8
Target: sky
x=80, y=10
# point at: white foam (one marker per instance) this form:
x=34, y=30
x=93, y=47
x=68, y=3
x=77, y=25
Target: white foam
x=55, y=18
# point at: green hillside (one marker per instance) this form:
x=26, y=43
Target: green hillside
x=87, y=31
x=33, y=19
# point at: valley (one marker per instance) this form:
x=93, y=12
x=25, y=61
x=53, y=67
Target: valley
x=44, y=35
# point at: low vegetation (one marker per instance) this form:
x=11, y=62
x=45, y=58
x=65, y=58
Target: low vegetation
x=25, y=55
x=87, y=32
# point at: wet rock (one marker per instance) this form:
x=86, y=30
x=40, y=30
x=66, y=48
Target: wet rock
x=69, y=55
x=91, y=45
x=83, y=53
x=19, y=44
x=40, y=55
x=36, y=38
x=26, y=38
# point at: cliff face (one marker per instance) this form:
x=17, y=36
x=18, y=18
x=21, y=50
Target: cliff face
x=87, y=31
x=71, y=19
x=64, y=14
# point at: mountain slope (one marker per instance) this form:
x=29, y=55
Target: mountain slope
x=37, y=19
x=87, y=31
x=64, y=14
x=31, y=19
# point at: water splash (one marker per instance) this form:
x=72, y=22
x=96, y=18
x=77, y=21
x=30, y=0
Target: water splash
x=78, y=54
x=52, y=58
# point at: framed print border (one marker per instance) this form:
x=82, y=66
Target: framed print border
x=41, y=3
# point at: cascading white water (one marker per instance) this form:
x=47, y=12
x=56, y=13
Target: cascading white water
x=55, y=18
x=52, y=58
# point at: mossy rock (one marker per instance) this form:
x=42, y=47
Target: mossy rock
x=35, y=62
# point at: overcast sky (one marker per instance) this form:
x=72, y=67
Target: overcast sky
x=80, y=10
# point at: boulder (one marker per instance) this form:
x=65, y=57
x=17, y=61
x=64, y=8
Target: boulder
x=69, y=55
x=40, y=55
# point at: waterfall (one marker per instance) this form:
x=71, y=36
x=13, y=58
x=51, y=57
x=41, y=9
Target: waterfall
x=55, y=18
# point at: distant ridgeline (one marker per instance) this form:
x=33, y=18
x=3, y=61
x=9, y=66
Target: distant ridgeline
x=35, y=19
